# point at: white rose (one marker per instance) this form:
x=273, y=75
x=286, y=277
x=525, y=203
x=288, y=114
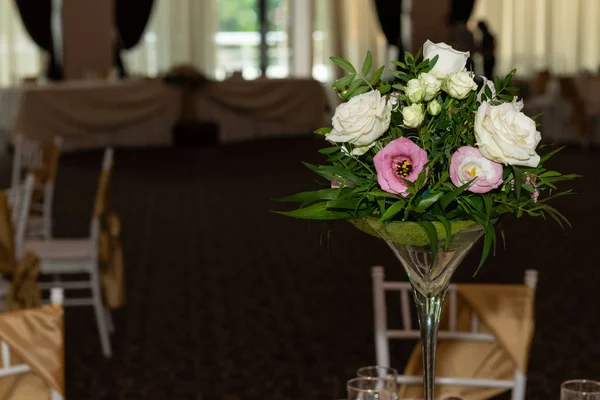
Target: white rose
x=415, y=91
x=490, y=84
x=460, y=84
x=362, y=120
x=449, y=60
x=434, y=107
x=431, y=84
x=413, y=115
x=505, y=135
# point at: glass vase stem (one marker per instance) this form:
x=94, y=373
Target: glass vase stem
x=429, y=309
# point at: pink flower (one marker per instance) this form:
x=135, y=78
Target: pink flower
x=399, y=160
x=530, y=180
x=468, y=163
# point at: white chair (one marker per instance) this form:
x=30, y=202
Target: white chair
x=19, y=198
x=56, y=297
x=383, y=334
x=76, y=256
x=30, y=155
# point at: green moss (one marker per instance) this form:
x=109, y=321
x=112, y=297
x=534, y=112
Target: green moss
x=405, y=232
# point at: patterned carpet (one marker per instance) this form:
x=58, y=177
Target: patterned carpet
x=229, y=301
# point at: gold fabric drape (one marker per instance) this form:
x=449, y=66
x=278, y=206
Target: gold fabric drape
x=46, y=172
x=24, y=291
x=112, y=268
x=36, y=338
x=505, y=311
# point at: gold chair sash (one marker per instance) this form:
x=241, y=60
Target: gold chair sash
x=505, y=311
x=24, y=291
x=7, y=238
x=46, y=172
x=112, y=268
x=36, y=338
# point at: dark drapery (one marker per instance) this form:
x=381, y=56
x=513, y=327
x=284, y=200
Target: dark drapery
x=460, y=10
x=36, y=17
x=389, y=13
x=131, y=18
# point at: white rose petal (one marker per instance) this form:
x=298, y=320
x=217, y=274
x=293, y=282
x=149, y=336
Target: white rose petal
x=360, y=150
x=460, y=84
x=413, y=115
x=362, y=120
x=449, y=60
x=434, y=108
x=505, y=135
x=431, y=84
x=415, y=91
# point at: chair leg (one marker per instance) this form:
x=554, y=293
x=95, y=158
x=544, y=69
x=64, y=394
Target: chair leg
x=109, y=321
x=100, y=314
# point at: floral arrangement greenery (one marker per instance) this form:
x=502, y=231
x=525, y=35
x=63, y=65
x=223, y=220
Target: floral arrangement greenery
x=433, y=149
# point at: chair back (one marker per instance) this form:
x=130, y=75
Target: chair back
x=101, y=203
x=451, y=332
x=8, y=369
x=20, y=201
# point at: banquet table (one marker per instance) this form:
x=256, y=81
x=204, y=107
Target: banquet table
x=142, y=112
x=246, y=110
x=97, y=113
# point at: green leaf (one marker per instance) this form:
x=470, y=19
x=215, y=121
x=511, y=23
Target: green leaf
x=377, y=76
x=323, y=131
x=393, y=210
x=509, y=77
x=505, y=97
x=355, y=85
x=384, y=88
x=331, y=171
x=309, y=197
x=518, y=181
x=329, y=150
x=360, y=90
x=487, y=205
x=432, y=63
x=428, y=200
x=367, y=64
x=344, y=81
x=400, y=64
x=553, y=152
x=497, y=84
x=447, y=228
x=432, y=235
x=344, y=64
x=488, y=91
x=316, y=211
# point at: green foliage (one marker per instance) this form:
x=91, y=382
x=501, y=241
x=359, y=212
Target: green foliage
x=433, y=201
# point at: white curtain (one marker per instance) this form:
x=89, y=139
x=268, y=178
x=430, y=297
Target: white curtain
x=19, y=56
x=179, y=32
x=353, y=28
x=562, y=36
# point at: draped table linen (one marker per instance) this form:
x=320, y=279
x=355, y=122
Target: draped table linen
x=98, y=113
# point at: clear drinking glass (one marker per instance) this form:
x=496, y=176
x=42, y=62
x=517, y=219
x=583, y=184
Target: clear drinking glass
x=370, y=388
x=376, y=371
x=580, y=389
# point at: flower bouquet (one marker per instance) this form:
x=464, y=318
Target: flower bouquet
x=430, y=164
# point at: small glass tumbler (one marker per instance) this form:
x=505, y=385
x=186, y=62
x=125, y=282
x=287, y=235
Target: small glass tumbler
x=387, y=373
x=580, y=389
x=370, y=388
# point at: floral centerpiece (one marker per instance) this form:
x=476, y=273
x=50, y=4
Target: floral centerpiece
x=429, y=164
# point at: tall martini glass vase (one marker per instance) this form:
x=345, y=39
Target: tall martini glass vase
x=429, y=273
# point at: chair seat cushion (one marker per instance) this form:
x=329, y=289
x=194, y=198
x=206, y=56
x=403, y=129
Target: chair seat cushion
x=61, y=248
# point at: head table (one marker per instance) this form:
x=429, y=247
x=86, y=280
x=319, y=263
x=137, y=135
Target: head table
x=141, y=112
